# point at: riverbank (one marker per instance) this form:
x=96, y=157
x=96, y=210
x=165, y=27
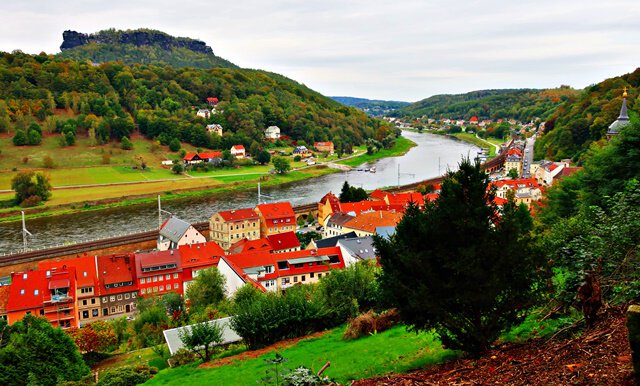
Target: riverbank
x=69, y=201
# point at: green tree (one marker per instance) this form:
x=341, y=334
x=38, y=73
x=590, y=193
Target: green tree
x=461, y=266
x=34, y=137
x=352, y=194
x=177, y=168
x=37, y=350
x=202, y=338
x=70, y=138
x=174, y=145
x=29, y=184
x=281, y=165
x=126, y=144
x=20, y=138
x=207, y=288
x=263, y=157
x=513, y=174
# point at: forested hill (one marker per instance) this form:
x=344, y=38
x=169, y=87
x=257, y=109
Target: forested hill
x=520, y=104
x=373, y=107
x=584, y=119
x=143, y=46
x=107, y=100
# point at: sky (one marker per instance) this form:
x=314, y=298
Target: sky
x=396, y=50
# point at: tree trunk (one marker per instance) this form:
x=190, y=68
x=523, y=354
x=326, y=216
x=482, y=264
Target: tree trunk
x=633, y=325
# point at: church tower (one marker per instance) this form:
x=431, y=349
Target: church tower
x=622, y=120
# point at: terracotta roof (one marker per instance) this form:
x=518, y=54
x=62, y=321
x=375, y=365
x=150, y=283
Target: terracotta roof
x=245, y=245
x=158, y=259
x=405, y=198
x=362, y=206
x=238, y=147
x=239, y=215
x=316, y=144
x=378, y=194
x=286, y=240
x=369, y=221
x=189, y=156
x=276, y=210
x=115, y=269
x=86, y=274
x=518, y=182
x=197, y=255
x=23, y=295
x=333, y=200
x=210, y=154
x=500, y=201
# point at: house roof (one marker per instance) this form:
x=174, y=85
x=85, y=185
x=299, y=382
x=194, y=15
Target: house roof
x=369, y=221
x=316, y=144
x=85, y=266
x=114, y=269
x=405, y=198
x=30, y=289
x=368, y=206
x=198, y=255
x=286, y=240
x=333, y=241
x=273, y=128
x=339, y=218
x=378, y=194
x=245, y=245
x=361, y=247
x=157, y=259
x=174, y=229
x=333, y=200
x=239, y=215
x=214, y=126
x=212, y=99
x=237, y=147
x=276, y=210
x=210, y=154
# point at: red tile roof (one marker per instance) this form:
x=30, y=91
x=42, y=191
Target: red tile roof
x=276, y=210
x=405, y=198
x=369, y=221
x=282, y=241
x=321, y=144
x=198, y=255
x=114, y=269
x=239, y=215
x=378, y=194
x=474, y=119
x=210, y=154
x=366, y=206
x=86, y=274
x=156, y=259
x=245, y=245
x=333, y=200
x=238, y=147
x=23, y=295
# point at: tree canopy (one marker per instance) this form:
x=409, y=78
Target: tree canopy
x=207, y=288
x=461, y=266
x=31, y=188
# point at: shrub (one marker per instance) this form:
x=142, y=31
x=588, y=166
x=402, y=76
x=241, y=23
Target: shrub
x=297, y=158
x=34, y=137
x=371, y=323
x=174, y=145
x=182, y=357
x=303, y=376
x=47, y=162
x=127, y=376
x=70, y=138
x=126, y=144
x=20, y=138
x=31, y=201
x=25, y=160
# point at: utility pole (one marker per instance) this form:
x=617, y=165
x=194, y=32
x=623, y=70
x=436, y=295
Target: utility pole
x=406, y=174
x=25, y=233
x=260, y=195
x=160, y=210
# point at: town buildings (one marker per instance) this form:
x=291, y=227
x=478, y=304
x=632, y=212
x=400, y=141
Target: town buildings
x=272, y=132
x=228, y=227
x=175, y=232
x=276, y=218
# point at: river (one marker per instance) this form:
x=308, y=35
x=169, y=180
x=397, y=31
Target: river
x=432, y=156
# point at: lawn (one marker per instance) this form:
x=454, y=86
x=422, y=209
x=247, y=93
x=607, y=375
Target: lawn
x=395, y=350
x=142, y=356
x=401, y=147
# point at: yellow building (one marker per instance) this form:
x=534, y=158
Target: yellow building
x=226, y=228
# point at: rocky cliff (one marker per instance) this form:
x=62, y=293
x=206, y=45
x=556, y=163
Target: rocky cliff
x=142, y=37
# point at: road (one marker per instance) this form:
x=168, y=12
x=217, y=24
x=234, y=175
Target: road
x=528, y=156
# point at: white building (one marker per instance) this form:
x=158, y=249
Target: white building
x=204, y=113
x=272, y=132
x=214, y=129
x=175, y=232
x=238, y=151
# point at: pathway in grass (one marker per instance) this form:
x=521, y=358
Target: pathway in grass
x=395, y=350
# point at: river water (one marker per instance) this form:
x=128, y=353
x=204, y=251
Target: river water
x=432, y=156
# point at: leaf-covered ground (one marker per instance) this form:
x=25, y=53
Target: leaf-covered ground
x=599, y=356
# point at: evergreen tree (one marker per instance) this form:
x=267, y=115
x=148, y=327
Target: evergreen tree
x=461, y=266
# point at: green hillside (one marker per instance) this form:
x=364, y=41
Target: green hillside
x=110, y=100
x=580, y=121
x=521, y=104
x=142, y=46
x=373, y=107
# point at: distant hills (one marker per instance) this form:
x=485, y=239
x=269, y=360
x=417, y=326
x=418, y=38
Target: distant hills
x=144, y=46
x=521, y=104
x=372, y=107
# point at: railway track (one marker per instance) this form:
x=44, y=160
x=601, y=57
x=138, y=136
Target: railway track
x=73, y=249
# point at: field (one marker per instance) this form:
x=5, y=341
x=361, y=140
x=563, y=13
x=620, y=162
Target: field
x=395, y=350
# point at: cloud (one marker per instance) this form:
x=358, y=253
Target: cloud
x=403, y=50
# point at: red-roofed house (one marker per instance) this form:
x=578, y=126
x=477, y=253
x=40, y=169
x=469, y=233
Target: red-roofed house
x=49, y=294
x=238, y=151
x=525, y=190
x=248, y=246
x=118, y=288
x=88, y=288
x=279, y=271
x=365, y=224
x=196, y=257
x=159, y=272
x=212, y=101
x=284, y=242
x=368, y=206
x=194, y=158
x=473, y=120
x=275, y=218
x=327, y=205
x=324, y=146
x=228, y=227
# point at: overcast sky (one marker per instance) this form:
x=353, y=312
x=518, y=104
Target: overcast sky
x=402, y=50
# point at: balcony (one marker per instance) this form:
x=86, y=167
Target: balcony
x=62, y=298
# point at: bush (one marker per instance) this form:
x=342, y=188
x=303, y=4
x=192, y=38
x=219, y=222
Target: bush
x=174, y=145
x=371, y=323
x=25, y=160
x=126, y=144
x=127, y=376
x=182, y=357
x=34, y=137
x=70, y=138
x=303, y=376
x=47, y=162
x=297, y=158
x=20, y=138
x=31, y=201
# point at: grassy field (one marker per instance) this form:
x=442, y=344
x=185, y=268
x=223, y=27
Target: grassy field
x=471, y=138
x=401, y=147
x=395, y=350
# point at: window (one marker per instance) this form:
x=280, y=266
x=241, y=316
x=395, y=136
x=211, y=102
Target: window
x=94, y=312
x=295, y=279
x=160, y=278
x=36, y=292
x=143, y=291
x=161, y=288
x=168, y=277
x=42, y=312
x=312, y=274
x=93, y=300
x=155, y=289
x=268, y=268
x=119, y=297
x=120, y=308
x=126, y=296
x=105, y=299
x=84, y=302
x=155, y=279
x=175, y=275
x=25, y=276
x=302, y=278
x=175, y=286
x=22, y=292
x=133, y=295
x=142, y=281
x=113, y=310
x=112, y=298
x=85, y=314
x=319, y=275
